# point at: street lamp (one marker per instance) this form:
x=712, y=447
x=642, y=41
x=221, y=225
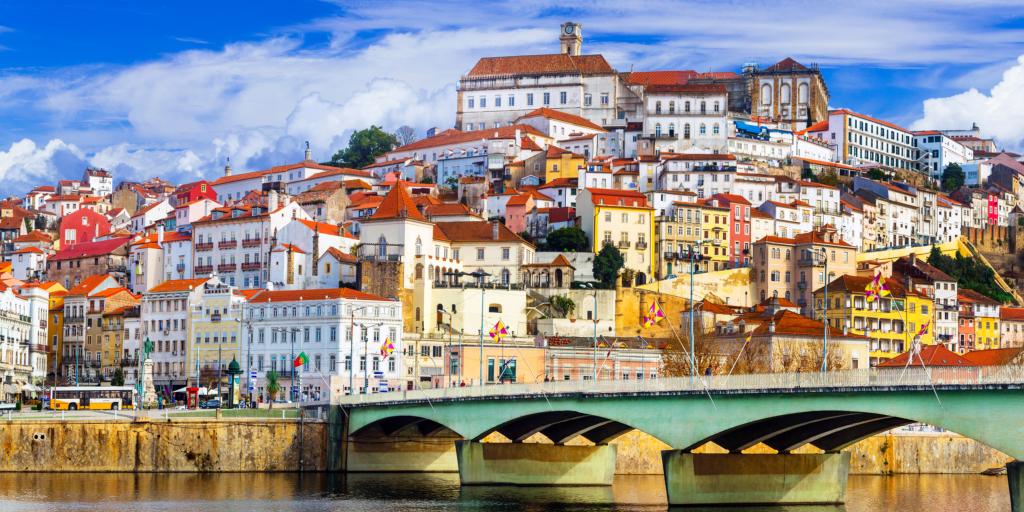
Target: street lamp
x=479, y=275
x=441, y=310
x=352, y=348
x=592, y=285
x=824, y=340
x=695, y=255
x=366, y=356
x=293, y=393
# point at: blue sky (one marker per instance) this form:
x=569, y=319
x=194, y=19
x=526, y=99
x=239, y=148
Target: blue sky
x=174, y=90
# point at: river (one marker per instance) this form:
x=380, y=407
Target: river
x=286, y=492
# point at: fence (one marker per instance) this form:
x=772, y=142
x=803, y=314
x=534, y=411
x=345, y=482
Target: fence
x=844, y=380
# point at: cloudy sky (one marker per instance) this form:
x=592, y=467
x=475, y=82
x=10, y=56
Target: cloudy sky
x=174, y=90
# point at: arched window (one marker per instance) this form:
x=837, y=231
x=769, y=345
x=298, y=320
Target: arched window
x=714, y=128
x=802, y=93
x=686, y=106
x=419, y=271
x=382, y=246
x=506, y=276
x=671, y=107
x=558, y=277
x=686, y=131
x=784, y=96
x=703, y=129
x=766, y=94
x=671, y=129
x=419, y=246
x=657, y=130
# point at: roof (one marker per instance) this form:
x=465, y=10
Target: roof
x=814, y=237
x=269, y=296
x=731, y=198
x=178, y=285
x=90, y=249
x=340, y=256
x=321, y=227
x=561, y=182
x=565, y=117
x=518, y=200
x=698, y=156
x=476, y=231
x=444, y=209
x=1011, y=314
x=307, y=164
x=110, y=292
x=549, y=64
x=787, y=64
x=994, y=357
x=869, y=118
x=665, y=77
x=29, y=249
x=687, y=88
x=932, y=355
x=88, y=284
x=33, y=236
x=453, y=136
x=558, y=261
x=397, y=204
x=289, y=248
x=858, y=284
x=966, y=295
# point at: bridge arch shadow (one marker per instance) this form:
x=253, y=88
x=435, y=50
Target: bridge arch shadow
x=404, y=426
x=560, y=427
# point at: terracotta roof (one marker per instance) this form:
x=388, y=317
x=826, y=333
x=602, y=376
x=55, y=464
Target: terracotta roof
x=787, y=64
x=698, y=157
x=397, y=204
x=558, y=261
x=772, y=239
x=994, y=357
x=731, y=198
x=386, y=163
x=565, y=117
x=289, y=247
x=271, y=296
x=90, y=249
x=966, y=295
x=518, y=200
x=932, y=355
x=1007, y=313
x=869, y=118
x=322, y=227
x=561, y=214
x=30, y=249
x=687, y=88
x=550, y=64
x=453, y=136
x=444, y=209
x=88, y=284
x=340, y=256
x=857, y=284
x=178, y=285
x=755, y=213
x=820, y=126
x=33, y=236
x=561, y=182
x=666, y=77
x=612, y=197
x=475, y=231
x=110, y=292
x=238, y=177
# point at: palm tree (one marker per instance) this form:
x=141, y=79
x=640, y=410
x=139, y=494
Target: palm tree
x=272, y=386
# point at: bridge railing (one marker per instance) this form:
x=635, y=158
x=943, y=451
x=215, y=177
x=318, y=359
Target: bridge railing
x=720, y=384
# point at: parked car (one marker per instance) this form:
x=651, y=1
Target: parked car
x=210, y=404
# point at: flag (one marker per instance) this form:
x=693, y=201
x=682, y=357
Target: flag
x=654, y=314
x=387, y=348
x=300, y=360
x=871, y=290
x=498, y=332
x=924, y=328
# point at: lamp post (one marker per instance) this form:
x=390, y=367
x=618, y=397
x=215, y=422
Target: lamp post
x=292, y=373
x=592, y=285
x=479, y=275
x=695, y=256
x=824, y=339
x=352, y=348
x=366, y=357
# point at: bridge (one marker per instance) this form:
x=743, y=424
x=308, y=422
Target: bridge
x=807, y=419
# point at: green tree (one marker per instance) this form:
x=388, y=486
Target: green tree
x=828, y=178
x=877, y=175
x=563, y=305
x=118, y=378
x=970, y=274
x=607, y=265
x=570, y=239
x=363, y=147
x=273, y=386
x=952, y=177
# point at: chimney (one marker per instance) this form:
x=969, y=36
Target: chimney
x=309, y=154
x=271, y=201
x=227, y=168
x=494, y=230
x=771, y=326
x=160, y=235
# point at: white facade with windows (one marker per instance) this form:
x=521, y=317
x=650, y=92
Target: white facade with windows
x=677, y=118
x=861, y=139
x=329, y=326
x=937, y=150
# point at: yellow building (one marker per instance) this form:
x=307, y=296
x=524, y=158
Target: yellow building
x=623, y=219
x=509, y=362
x=216, y=331
x=55, y=327
x=891, y=322
x=715, y=226
x=559, y=163
x=986, y=319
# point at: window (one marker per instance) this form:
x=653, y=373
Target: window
x=479, y=253
x=563, y=97
x=547, y=98
x=511, y=100
x=604, y=98
x=587, y=100
x=497, y=101
x=472, y=101
x=483, y=102
x=505, y=253
x=529, y=99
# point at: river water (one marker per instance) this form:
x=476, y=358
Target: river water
x=257, y=492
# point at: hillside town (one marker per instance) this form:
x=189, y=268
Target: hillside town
x=575, y=222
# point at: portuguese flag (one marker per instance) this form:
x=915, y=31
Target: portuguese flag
x=301, y=360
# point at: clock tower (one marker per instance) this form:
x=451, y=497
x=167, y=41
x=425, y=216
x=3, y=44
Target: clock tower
x=571, y=38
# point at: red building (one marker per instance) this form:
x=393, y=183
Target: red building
x=739, y=226
x=194, y=191
x=82, y=225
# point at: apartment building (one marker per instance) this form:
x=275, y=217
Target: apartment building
x=622, y=218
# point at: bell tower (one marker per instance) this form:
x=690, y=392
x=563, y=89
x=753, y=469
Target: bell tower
x=571, y=38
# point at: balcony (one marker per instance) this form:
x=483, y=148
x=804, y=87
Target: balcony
x=801, y=285
x=204, y=246
x=180, y=267
x=227, y=244
x=227, y=267
x=204, y=269
x=623, y=244
x=251, y=266
x=129, y=362
x=811, y=262
x=669, y=256
x=641, y=245
x=251, y=242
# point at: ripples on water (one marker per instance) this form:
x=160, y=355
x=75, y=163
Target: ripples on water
x=255, y=492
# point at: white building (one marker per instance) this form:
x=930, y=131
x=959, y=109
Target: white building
x=28, y=263
x=329, y=326
x=23, y=346
x=166, y=315
x=936, y=150
x=100, y=181
x=861, y=139
x=680, y=117
x=149, y=214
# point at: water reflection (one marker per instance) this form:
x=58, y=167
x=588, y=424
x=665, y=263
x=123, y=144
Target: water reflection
x=287, y=492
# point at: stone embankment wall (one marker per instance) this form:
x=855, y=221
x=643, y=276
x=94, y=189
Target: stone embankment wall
x=162, y=446
x=904, y=453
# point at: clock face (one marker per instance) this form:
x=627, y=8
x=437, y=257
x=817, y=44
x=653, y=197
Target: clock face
x=569, y=29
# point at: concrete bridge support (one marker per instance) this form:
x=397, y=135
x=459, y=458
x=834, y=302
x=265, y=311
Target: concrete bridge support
x=534, y=464
x=425, y=454
x=1015, y=477
x=736, y=479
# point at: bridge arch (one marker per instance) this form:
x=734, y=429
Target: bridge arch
x=560, y=427
x=403, y=425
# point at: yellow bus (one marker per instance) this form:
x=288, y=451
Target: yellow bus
x=92, y=397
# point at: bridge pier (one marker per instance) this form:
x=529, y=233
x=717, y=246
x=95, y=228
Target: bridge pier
x=1015, y=477
x=736, y=479
x=410, y=455
x=534, y=464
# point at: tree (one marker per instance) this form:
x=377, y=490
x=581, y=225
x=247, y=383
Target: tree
x=563, y=305
x=570, y=239
x=272, y=386
x=607, y=265
x=405, y=134
x=118, y=378
x=970, y=274
x=828, y=178
x=952, y=177
x=877, y=175
x=363, y=147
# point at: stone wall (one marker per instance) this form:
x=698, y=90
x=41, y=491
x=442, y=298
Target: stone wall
x=162, y=446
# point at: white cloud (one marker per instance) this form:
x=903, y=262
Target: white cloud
x=24, y=164
x=997, y=113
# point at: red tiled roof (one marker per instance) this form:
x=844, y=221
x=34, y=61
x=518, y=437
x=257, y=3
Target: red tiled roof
x=289, y=247
x=994, y=357
x=340, y=256
x=966, y=295
x=87, y=285
x=731, y=198
x=1011, y=314
x=33, y=236
x=29, y=249
x=932, y=355
x=649, y=78
x=178, y=285
x=444, y=209
x=453, y=136
x=90, y=249
x=687, y=88
x=561, y=182
x=787, y=64
x=565, y=117
x=321, y=227
x=550, y=64
x=269, y=296
x=475, y=231
x=612, y=197
x=698, y=157
x=397, y=204
x=288, y=167
x=561, y=214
